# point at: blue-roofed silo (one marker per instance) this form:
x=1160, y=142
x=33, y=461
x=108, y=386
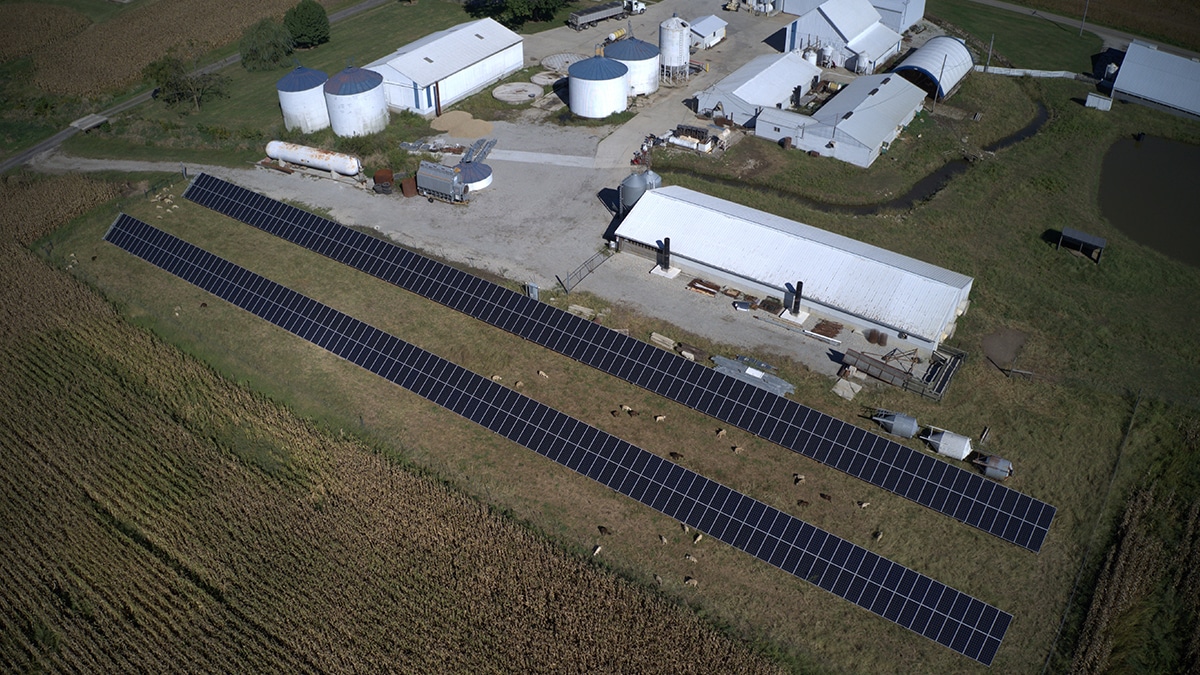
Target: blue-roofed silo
x=302, y=100
x=356, y=102
x=598, y=87
x=642, y=59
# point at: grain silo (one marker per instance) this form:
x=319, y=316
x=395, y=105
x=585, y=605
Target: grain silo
x=674, y=44
x=642, y=59
x=598, y=87
x=356, y=103
x=302, y=100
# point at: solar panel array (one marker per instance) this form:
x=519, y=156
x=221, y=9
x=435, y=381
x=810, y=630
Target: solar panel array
x=914, y=601
x=960, y=494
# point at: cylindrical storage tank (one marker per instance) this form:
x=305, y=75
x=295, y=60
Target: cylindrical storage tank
x=810, y=55
x=356, y=103
x=302, y=99
x=597, y=87
x=948, y=443
x=674, y=43
x=642, y=59
x=631, y=190
x=826, y=55
x=475, y=175
x=897, y=424
x=653, y=180
x=996, y=468
x=325, y=160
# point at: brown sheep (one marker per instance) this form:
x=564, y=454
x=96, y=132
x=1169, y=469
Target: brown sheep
x=603, y=530
x=827, y=498
x=802, y=503
x=676, y=456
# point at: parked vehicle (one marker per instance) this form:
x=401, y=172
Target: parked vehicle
x=586, y=18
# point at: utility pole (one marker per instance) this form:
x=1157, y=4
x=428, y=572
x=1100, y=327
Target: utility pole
x=989, y=60
x=1084, y=19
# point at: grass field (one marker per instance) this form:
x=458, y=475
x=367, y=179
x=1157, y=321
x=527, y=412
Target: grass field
x=159, y=517
x=1024, y=41
x=1174, y=21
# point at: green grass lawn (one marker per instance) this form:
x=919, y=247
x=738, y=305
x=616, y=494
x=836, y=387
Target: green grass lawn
x=1026, y=41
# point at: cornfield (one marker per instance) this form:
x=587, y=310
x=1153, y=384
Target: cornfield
x=29, y=26
x=117, y=50
x=158, y=517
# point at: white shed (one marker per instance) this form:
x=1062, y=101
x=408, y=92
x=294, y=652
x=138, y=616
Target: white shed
x=445, y=67
x=768, y=81
x=857, y=283
x=850, y=29
x=899, y=15
x=854, y=126
x=707, y=31
x=1158, y=79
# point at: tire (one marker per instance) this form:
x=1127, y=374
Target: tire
x=430, y=199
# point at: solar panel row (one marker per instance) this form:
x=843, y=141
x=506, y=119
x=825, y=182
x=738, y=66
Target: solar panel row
x=960, y=494
x=925, y=606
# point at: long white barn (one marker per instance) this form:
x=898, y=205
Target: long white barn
x=448, y=66
x=860, y=284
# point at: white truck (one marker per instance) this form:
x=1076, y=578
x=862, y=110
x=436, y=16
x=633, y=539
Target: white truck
x=586, y=18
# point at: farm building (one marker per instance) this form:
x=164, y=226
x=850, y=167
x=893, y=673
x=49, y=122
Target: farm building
x=756, y=252
x=849, y=33
x=1158, y=79
x=938, y=66
x=854, y=126
x=707, y=31
x=899, y=15
x=768, y=81
x=448, y=66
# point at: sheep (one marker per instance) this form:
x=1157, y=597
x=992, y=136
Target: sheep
x=614, y=413
x=696, y=539
x=519, y=384
x=497, y=378
x=203, y=304
x=689, y=557
x=543, y=374
x=633, y=413
x=625, y=407
x=720, y=433
x=797, y=478
x=596, y=551
x=659, y=418
x=658, y=580
x=685, y=527
x=827, y=498
x=863, y=505
x=690, y=581
x=802, y=503
x=676, y=456
x=878, y=535
x=662, y=539
x=603, y=530
x=737, y=449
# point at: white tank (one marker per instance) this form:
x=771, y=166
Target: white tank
x=598, y=87
x=356, y=103
x=674, y=43
x=302, y=100
x=810, y=55
x=347, y=165
x=642, y=59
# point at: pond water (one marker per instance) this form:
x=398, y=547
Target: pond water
x=1148, y=191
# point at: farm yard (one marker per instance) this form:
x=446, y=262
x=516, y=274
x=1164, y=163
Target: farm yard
x=183, y=474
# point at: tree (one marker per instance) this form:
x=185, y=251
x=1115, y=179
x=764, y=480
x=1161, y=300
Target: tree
x=308, y=23
x=179, y=83
x=265, y=46
x=514, y=13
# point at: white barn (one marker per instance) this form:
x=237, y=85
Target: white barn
x=707, y=31
x=445, y=67
x=854, y=126
x=899, y=15
x=1158, y=79
x=845, y=279
x=767, y=81
x=850, y=29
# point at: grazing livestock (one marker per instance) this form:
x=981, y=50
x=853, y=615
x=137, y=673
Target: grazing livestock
x=658, y=580
x=543, y=374
x=720, y=433
x=633, y=413
x=689, y=557
x=797, y=478
x=690, y=581
x=596, y=551
x=685, y=527
x=662, y=539
x=659, y=418
x=827, y=498
x=519, y=384
x=863, y=505
x=737, y=449
x=497, y=378
x=878, y=535
x=676, y=456
x=625, y=407
x=614, y=413
x=802, y=503
x=696, y=539
x=603, y=530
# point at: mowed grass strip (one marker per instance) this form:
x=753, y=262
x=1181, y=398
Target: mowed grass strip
x=1026, y=41
x=1173, y=21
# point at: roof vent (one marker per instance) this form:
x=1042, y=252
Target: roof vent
x=847, y=115
x=479, y=36
x=874, y=91
x=885, y=80
x=429, y=59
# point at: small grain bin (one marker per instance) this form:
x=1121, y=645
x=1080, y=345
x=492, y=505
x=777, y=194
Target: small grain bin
x=947, y=443
x=675, y=48
x=631, y=190
x=302, y=100
x=896, y=424
x=475, y=175
x=996, y=468
x=642, y=59
x=356, y=103
x=598, y=87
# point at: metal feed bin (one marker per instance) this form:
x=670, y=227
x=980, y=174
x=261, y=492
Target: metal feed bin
x=996, y=468
x=947, y=443
x=897, y=424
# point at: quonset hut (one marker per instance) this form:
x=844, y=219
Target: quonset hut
x=355, y=101
x=937, y=66
x=302, y=100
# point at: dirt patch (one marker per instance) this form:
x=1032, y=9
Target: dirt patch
x=1002, y=347
x=461, y=124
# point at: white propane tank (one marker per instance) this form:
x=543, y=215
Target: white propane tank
x=347, y=165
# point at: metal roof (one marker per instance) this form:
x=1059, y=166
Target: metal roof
x=875, y=41
x=869, y=108
x=353, y=81
x=768, y=79
x=944, y=60
x=708, y=25
x=439, y=55
x=632, y=49
x=597, y=68
x=851, y=18
x=857, y=278
x=301, y=79
x=1160, y=77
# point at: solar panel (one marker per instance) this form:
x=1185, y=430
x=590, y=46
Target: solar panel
x=912, y=600
x=947, y=489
